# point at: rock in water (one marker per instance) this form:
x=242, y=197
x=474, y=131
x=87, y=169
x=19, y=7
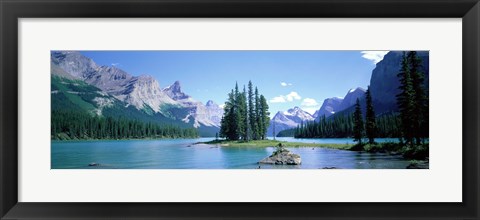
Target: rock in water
x=282, y=156
x=93, y=164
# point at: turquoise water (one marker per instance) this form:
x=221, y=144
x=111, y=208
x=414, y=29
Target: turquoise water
x=182, y=154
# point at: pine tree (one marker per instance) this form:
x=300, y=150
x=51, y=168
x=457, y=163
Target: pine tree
x=229, y=126
x=420, y=126
x=251, y=111
x=258, y=119
x=243, y=109
x=358, y=128
x=406, y=101
x=265, y=115
x=239, y=112
x=370, y=125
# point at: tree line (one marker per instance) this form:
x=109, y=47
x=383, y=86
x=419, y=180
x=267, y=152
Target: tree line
x=342, y=126
x=246, y=115
x=68, y=124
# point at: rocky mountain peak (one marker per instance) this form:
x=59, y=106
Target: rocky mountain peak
x=329, y=107
x=210, y=103
x=351, y=97
x=74, y=63
x=289, y=119
x=174, y=91
x=143, y=91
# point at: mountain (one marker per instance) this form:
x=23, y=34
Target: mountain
x=288, y=119
x=141, y=92
x=68, y=94
x=214, y=111
x=200, y=114
x=333, y=105
x=384, y=82
x=351, y=98
x=329, y=107
x=175, y=92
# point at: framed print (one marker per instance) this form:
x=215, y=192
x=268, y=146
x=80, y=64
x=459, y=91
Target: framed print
x=286, y=109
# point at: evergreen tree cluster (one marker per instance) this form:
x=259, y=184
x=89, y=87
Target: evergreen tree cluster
x=246, y=115
x=340, y=126
x=69, y=124
x=412, y=100
x=351, y=125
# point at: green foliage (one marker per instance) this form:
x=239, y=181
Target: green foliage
x=264, y=117
x=245, y=121
x=418, y=152
x=421, y=100
x=75, y=124
x=287, y=133
x=412, y=100
x=370, y=124
x=274, y=143
x=73, y=100
x=341, y=126
x=358, y=127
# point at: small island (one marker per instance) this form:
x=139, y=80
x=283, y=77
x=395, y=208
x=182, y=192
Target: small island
x=273, y=143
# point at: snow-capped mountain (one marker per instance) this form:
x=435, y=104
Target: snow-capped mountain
x=297, y=115
x=200, y=114
x=288, y=119
x=143, y=92
x=175, y=92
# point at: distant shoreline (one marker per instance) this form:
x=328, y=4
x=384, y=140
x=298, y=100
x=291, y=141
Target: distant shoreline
x=124, y=139
x=274, y=143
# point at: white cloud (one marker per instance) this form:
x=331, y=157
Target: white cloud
x=286, y=98
x=221, y=105
x=309, y=102
x=293, y=96
x=310, y=105
x=285, y=84
x=375, y=56
x=115, y=64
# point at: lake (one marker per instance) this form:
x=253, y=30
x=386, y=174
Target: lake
x=181, y=154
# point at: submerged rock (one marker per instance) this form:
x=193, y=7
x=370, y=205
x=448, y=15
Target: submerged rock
x=282, y=156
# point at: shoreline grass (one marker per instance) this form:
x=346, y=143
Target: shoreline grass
x=274, y=143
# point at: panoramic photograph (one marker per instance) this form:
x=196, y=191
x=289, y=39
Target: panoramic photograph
x=243, y=109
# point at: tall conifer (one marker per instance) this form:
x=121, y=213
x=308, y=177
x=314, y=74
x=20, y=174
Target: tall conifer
x=370, y=125
x=358, y=129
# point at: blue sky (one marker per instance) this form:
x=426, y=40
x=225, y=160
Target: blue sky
x=286, y=78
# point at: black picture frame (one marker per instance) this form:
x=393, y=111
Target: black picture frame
x=12, y=10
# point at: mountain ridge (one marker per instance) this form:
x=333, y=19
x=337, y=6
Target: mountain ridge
x=143, y=92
